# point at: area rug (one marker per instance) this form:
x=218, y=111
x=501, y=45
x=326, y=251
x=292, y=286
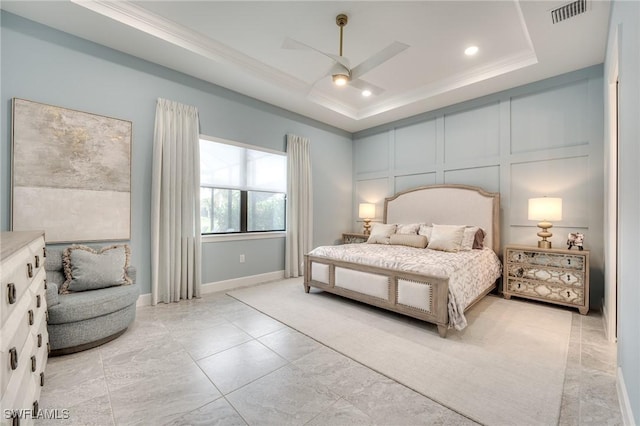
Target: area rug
x=506, y=368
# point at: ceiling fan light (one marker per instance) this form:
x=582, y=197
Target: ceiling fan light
x=340, y=79
x=366, y=93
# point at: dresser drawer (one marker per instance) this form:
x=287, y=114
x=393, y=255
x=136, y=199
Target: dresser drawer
x=18, y=273
x=546, y=291
x=10, y=377
x=555, y=260
x=566, y=277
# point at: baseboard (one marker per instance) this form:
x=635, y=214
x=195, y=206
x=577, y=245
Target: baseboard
x=145, y=299
x=623, y=397
x=605, y=322
x=241, y=282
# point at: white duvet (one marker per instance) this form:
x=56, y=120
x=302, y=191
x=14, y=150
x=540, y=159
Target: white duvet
x=469, y=272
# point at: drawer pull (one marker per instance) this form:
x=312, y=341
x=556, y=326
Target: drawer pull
x=569, y=262
x=13, y=353
x=568, y=294
x=48, y=348
x=42, y=379
x=38, y=301
x=45, y=284
x=33, y=363
x=37, y=261
x=11, y=293
x=44, y=252
x=30, y=270
x=31, y=317
x=35, y=409
x=568, y=277
x=46, y=316
x=39, y=339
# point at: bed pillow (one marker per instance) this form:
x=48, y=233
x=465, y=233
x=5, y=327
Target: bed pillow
x=417, y=241
x=446, y=237
x=425, y=230
x=88, y=269
x=380, y=233
x=478, y=242
x=410, y=229
x=473, y=238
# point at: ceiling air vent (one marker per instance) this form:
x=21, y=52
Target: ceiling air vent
x=568, y=11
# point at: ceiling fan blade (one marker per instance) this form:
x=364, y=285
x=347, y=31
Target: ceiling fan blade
x=290, y=43
x=364, y=85
x=382, y=56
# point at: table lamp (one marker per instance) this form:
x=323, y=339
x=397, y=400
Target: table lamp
x=545, y=209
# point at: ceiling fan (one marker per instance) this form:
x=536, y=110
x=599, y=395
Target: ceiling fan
x=341, y=72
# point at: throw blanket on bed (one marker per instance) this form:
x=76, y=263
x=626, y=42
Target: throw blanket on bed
x=469, y=272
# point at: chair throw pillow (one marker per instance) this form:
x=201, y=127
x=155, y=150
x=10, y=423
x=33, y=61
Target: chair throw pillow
x=88, y=269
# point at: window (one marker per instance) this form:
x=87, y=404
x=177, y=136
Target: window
x=242, y=189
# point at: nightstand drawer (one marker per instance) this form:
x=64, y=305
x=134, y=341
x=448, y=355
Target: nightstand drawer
x=546, y=291
x=566, y=277
x=554, y=260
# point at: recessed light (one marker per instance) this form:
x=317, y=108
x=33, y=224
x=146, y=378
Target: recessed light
x=471, y=50
x=366, y=93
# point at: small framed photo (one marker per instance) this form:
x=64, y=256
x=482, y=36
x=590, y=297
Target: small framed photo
x=575, y=239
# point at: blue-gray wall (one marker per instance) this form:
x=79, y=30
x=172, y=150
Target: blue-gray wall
x=48, y=66
x=623, y=56
x=544, y=138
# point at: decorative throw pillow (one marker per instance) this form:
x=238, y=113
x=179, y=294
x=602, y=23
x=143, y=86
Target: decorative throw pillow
x=478, y=241
x=417, y=241
x=425, y=230
x=88, y=269
x=380, y=233
x=446, y=237
x=408, y=229
x=469, y=237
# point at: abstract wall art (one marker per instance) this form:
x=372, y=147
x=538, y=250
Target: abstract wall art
x=71, y=173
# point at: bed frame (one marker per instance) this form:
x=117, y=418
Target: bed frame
x=441, y=204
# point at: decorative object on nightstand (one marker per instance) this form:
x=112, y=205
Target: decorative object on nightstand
x=367, y=212
x=545, y=209
x=550, y=275
x=354, y=238
x=575, y=239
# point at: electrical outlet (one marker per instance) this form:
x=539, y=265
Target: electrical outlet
x=242, y=258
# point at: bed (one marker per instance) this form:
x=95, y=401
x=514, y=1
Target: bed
x=431, y=285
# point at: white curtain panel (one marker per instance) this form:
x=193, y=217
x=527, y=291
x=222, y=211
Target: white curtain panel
x=299, y=205
x=175, y=204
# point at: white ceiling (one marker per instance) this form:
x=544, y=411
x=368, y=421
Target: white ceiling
x=238, y=45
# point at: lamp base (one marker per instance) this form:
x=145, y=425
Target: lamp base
x=367, y=226
x=544, y=234
x=544, y=244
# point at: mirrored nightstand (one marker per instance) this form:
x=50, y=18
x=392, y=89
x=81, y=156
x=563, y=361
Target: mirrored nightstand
x=354, y=238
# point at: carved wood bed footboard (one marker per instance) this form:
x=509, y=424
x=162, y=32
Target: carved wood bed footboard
x=415, y=295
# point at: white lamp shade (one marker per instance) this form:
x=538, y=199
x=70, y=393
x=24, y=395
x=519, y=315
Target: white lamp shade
x=367, y=211
x=545, y=208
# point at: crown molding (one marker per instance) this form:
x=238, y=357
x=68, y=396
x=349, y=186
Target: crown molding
x=157, y=26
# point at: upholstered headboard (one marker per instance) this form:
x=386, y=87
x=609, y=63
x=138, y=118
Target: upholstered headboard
x=448, y=205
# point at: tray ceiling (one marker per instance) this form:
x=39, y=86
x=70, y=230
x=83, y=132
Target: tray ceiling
x=238, y=45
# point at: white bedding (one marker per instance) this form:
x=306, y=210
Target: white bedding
x=470, y=273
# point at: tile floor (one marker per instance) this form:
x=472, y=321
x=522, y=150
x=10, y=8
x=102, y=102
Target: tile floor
x=216, y=361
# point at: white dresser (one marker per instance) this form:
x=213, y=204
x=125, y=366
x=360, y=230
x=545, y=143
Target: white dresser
x=24, y=340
